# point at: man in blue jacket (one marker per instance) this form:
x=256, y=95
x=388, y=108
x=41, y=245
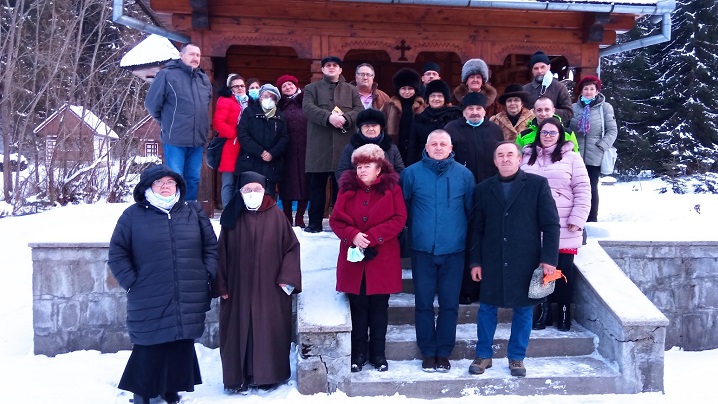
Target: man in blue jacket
x=179, y=100
x=438, y=195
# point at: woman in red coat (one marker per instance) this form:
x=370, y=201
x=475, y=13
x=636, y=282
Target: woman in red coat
x=232, y=100
x=368, y=216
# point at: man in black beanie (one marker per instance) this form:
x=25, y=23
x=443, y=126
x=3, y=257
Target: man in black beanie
x=429, y=73
x=474, y=138
x=544, y=85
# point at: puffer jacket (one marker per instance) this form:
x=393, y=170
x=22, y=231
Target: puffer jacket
x=258, y=133
x=179, y=100
x=165, y=261
x=570, y=188
x=510, y=130
x=439, y=197
x=225, y=119
x=391, y=154
x=599, y=138
x=528, y=136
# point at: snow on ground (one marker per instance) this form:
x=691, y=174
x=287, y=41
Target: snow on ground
x=633, y=211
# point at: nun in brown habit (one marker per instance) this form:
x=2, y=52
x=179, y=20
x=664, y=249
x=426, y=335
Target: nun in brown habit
x=258, y=272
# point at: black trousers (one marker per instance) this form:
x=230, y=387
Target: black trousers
x=593, y=175
x=318, y=195
x=370, y=318
x=563, y=293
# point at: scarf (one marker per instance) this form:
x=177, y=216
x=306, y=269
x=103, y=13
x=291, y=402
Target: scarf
x=160, y=202
x=270, y=114
x=584, y=120
x=295, y=94
x=374, y=140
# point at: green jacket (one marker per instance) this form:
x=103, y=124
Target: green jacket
x=528, y=136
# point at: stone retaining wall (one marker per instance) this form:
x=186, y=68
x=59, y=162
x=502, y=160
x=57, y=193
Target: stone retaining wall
x=77, y=304
x=681, y=279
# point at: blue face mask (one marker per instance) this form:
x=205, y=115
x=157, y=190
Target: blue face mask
x=355, y=254
x=587, y=100
x=475, y=124
x=254, y=93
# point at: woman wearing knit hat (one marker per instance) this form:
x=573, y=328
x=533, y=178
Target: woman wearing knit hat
x=402, y=107
x=368, y=217
x=438, y=113
x=515, y=117
x=263, y=138
x=231, y=100
x=595, y=126
x=475, y=78
x=295, y=186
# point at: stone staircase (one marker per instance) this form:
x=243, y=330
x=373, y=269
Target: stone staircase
x=557, y=362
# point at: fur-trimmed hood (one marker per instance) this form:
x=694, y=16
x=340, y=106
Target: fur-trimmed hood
x=486, y=89
x=387, y=180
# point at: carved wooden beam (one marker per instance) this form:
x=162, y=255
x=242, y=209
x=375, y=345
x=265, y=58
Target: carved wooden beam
x=594, y=26
x=200, y=14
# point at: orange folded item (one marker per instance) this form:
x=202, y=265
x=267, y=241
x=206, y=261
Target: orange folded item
x=555, y=276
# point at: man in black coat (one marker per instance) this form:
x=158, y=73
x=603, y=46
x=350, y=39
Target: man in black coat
x=515, y=228
x=474, y=139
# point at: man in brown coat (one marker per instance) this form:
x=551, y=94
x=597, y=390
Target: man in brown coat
x=543, y=85
x=258, y=271
x=369, y=93
x=331, y=106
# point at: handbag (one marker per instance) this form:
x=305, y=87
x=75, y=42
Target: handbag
x=608, y=160
x=542, y=286
x=214, y=151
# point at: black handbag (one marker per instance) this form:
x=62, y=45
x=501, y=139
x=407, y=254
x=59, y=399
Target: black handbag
x=214, y=151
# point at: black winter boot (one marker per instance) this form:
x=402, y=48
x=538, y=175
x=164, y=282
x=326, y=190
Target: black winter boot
x=138, y=399
x=564, y=322
x=542, y=316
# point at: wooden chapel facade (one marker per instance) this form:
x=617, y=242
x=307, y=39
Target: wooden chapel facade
x=269, y=38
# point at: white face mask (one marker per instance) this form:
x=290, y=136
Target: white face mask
x=253, y=199
x=268, y=104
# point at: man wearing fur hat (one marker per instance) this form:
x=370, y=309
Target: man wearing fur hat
x=263, y=138
x=543, y=85
x=475, y=79
x=474, y=138
x=370, y=95
x=402, y=107
x=331, y=106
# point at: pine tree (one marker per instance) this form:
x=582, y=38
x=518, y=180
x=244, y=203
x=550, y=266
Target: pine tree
x=669, y=101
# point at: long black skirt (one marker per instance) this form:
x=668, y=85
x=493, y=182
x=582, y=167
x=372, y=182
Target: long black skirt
x=157, y=369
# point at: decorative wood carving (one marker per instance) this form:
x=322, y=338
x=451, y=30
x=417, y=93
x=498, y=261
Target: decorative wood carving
x=220, y=43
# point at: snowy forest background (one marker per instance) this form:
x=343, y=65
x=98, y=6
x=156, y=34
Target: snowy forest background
x=68, y=51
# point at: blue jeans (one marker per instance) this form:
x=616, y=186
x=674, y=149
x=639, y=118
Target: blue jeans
x=520, y=331
x=436, y=274
x=187, y=162
x=228, y=185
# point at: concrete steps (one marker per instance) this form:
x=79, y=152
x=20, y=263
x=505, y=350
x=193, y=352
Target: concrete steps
x=557, y=362
x=550, y=375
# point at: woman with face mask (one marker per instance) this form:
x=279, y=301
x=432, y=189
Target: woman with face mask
x=163, y=252
x=253, y=86
x=257, y=276
x=263, y=137
x=230, y=103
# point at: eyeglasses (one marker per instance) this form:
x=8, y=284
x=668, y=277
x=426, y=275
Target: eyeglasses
x=365, y=74
x=238, y=86
x=551, y=133
x=160, y=183
x=250, y=190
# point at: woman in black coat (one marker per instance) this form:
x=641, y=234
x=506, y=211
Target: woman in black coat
x=436, y=116
x=295, y=186
x=370, y=130
x=164, y=253
x=263, y=139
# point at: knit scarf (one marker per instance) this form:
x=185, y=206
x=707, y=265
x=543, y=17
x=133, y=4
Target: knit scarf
x=584, y=120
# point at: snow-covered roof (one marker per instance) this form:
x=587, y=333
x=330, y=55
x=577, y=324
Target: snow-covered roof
x=154, y=49
x=88, y=117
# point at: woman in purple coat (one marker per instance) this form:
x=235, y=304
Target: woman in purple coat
x=552, y=156
x=296, y=185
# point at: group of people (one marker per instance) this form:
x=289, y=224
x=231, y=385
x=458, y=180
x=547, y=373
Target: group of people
x=481, y=197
